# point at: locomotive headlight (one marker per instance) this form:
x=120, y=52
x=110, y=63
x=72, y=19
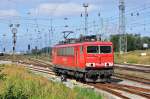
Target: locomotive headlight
x=108, y=64
x=90, y=64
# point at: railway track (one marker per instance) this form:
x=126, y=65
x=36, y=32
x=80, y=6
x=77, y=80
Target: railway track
x=138, y=68
x=124, y=76
x=115, y=89
x=119, y=89
x=130, y=67
x=107, y=89
x=40, y=63
x=40, y=69
x=111, y=88
x=46, y=64
x=144, y=69
x=133, y=78
x=135, y=65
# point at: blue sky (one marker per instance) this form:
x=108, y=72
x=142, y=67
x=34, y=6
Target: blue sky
x=34, y=16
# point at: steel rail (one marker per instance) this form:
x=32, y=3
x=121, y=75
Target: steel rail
x=133, y=78
x=132, y=69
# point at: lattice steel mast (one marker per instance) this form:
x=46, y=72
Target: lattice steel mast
x=85, y=5
x=122, y=28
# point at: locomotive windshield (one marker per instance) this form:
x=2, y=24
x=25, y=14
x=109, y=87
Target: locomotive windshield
x=93, y=49
x=99, y=49
x=105, y=49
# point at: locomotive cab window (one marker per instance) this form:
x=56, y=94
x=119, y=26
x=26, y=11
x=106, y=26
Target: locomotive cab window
x=105, y=49
x=93, y=49
x=99, y=49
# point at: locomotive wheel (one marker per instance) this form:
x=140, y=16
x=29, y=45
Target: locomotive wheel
x=63, y=78
x=108, y=80
x=85, y=79
x=57, y=74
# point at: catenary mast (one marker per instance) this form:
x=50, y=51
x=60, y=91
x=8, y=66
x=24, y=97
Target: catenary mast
x=122, y=28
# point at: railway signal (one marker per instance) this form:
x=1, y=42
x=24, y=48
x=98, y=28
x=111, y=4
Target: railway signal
x=14, y=32
x=29, y=48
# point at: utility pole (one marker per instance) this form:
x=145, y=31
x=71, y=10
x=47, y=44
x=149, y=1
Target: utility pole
x=36, y=43
x=46, y=47
x=50, y=42
x=122, y=28
x=101, y=26
x=4, y=49
x=51, y=32
x=29, y=42
x=94, y=30
x=50, y=35
x=85, y=5
x=30, y=39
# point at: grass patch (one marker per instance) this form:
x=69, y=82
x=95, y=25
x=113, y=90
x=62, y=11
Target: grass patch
x=86, y=94
x=22, y=84
x=1, y=66
x=133, y=57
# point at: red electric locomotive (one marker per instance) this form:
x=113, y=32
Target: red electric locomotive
x=90, y=61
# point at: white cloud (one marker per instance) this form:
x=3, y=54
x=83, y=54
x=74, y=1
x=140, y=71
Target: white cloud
x=8, y=13
x=60, y=9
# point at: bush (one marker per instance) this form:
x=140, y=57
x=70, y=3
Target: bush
x=2, y=76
